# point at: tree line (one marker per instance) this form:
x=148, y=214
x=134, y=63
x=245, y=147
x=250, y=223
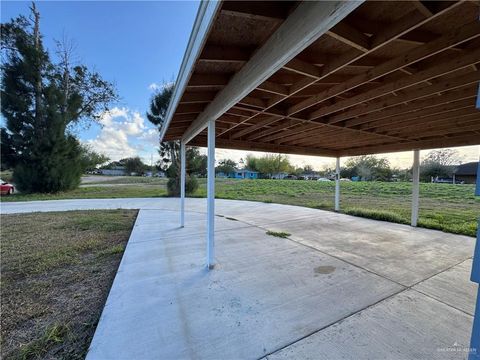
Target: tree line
x=437, y=163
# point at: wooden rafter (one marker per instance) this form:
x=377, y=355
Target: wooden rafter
x=368, y=85
x=454, y=64
x=422, y=92
x=407, y=23
x=454, y=38
x=350, y=36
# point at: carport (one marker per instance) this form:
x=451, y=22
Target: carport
x=331, y=79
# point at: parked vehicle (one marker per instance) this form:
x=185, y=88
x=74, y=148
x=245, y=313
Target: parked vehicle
x=323, y=179
x=290, y=177
x=6, y=188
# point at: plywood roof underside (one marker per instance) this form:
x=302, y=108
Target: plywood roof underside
x=391, y=76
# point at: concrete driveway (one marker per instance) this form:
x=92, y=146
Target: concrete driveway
x=339, y=287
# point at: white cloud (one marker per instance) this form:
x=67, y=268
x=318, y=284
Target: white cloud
x=156, y=87
x=124, y=134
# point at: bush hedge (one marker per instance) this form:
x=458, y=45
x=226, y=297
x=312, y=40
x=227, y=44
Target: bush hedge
x=173, y=186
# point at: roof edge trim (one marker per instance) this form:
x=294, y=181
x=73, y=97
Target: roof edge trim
x=207, y=11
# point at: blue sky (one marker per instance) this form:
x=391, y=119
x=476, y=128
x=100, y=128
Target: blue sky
x=138, y=45
x=134, y=44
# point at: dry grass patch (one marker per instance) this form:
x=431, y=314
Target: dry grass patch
x=57, y=269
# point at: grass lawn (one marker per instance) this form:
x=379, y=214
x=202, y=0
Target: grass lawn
x=57, y=269
x=451, y=208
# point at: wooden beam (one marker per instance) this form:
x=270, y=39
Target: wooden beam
x=422, y=8
x=273, y=88
x=283, y=124
x=340, y=138
x=405, y=24
x=256, y=10
x=402, y=26
x=306, y=24
x=427, y=90
x=202, y=80
x=288, y=132
x=349, y=35
x=374, y=26
x=299, y=133
x=215, y=53
x=256, y=146
x=303, y=68
x=417, y=127
x=197, y=97
x=183, y=117
x=320, y=58
x=265, y=122
x=458, y=140
x=190, y=108
x=397, y=120
x=454, y=64
x=455, y=37
x=238, y=111
x=253, y=101
x=229, y=119
x=453, y=127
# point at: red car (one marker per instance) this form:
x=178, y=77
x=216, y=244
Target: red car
x=6, y=188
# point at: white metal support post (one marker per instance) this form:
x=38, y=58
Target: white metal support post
x=415, y=186
x=211, y=196
x=183, y=171
x=474, y=353
x=337, y=185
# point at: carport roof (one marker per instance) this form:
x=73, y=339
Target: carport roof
x=330, y=78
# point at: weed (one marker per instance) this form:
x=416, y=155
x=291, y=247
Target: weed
x=53, y=335
x=116, y=249
x=279, y=234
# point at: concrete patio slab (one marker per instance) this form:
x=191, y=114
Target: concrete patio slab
x=446, y=288
x=398, y=252
x=408, y=325
x=265, y=293
x=339, y=287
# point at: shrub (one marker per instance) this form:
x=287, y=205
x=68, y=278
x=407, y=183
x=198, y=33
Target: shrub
x=173, y=186
x=54, y=166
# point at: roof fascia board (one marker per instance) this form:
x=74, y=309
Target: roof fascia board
x=207, y=11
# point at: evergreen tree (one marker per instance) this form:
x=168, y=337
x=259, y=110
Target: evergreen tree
x=41, y=100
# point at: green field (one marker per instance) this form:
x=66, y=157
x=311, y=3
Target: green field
x=451, y=208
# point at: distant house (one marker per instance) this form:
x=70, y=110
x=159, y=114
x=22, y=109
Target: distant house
x=467, y=173
x=114, y=171
x=239, y=174
x=279, y=175
x=159, y=174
